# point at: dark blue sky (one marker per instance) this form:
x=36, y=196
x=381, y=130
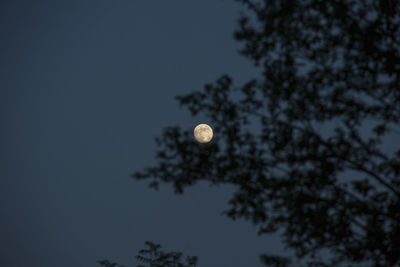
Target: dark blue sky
x=85, y=87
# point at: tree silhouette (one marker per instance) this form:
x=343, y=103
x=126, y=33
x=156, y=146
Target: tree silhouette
x=153, y=256
x=107, y=263
x=305, y=142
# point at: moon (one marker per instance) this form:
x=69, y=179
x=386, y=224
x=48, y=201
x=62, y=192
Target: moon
x=203, y=133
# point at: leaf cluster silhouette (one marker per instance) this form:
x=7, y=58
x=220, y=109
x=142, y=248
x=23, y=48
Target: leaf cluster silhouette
x=305, y=143
x=153, y=256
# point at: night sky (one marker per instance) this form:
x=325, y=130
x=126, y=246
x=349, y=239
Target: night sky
x=85, y=88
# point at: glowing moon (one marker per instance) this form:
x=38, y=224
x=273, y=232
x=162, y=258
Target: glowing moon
x=203, y=133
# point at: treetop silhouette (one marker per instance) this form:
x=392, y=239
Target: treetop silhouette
x=304, y=142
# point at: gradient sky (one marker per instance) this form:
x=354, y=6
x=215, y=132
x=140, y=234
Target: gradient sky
x=85, y=87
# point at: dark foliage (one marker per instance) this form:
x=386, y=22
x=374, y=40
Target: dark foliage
x=153, y=256
x=305, y=143
x=107, y=263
